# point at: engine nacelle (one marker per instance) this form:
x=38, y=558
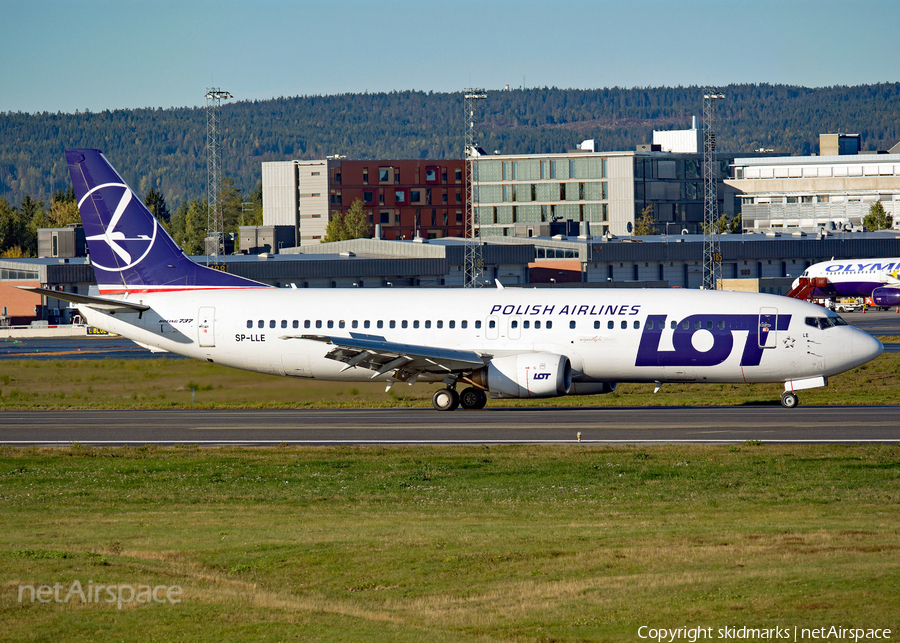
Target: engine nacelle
x=526, y=375
x=592, y=388
x=885, y=296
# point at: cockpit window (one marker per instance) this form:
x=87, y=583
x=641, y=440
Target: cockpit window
x=824, y=322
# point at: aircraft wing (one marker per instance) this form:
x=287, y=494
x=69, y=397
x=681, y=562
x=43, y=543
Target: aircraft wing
x=99, y=303
x=408, y=360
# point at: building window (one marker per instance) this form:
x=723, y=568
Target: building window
x=431, y=175
x=458, y=175
x=400, y=197
x=384, y=175
x=368, y=196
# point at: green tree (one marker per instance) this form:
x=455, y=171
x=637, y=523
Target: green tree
x=352, y=224
x=188, y=227
x=878, y=218
x=156, y=203
x=645, y=224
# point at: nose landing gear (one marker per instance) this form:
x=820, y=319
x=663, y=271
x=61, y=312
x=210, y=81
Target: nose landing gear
x=789, y=400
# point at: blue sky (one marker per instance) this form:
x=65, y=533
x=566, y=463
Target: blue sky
x=67, y=55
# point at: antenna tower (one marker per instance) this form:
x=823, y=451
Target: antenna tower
x=474, y=259
x=712, y=254
x=215, y=227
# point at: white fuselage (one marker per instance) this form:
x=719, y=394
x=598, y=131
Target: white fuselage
x=609, y=335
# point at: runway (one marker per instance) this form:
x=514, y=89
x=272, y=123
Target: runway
x=865, y=424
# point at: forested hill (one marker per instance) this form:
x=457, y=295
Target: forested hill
x=166, y=148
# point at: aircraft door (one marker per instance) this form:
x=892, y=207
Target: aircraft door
x=492, y=327
x=767, y=335
x=206, y=326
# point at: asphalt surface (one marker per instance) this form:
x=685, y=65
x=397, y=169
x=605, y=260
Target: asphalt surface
x=422, y=426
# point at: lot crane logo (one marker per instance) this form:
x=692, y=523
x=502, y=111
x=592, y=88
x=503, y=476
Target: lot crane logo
x=128, y=239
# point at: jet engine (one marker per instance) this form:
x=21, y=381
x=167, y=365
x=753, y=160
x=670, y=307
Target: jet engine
x=886, y=296
x=526, y=375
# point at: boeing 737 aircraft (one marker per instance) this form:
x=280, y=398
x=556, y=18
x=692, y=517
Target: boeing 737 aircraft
x=488, y=342
x=875, y=278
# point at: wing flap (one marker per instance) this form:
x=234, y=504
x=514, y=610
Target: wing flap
x=405, y=360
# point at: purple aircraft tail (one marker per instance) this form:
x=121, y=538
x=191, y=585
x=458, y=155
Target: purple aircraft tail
x=130, y=250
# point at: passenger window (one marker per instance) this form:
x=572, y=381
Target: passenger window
x=549, y=325
x=673, y=325
x=306, y=323
x=477, y=323
x=610, y=324
x=260, y=324
x=451, y=324
x=636, y=324
x=284, y=323
x=355, y=324
x=318, y=323
x=296, y=324
x=404, y=324
x=427, y=323
x=271, y=323
x=685, y=325
x=624, y=325
x=492, y=324
x=393, y=324
x=525, y=324
x=572, y=324
x=415, y=323
x=721, y=324
x=367, y=323
x=697, y=325
x=342, y=323
x=440, y=323
x=464, y=323
x=649, y=324
x=537, y=324
x=379, y=324
x=514, y=324
x=709, y=325
x=249, y=323
x=330, y=323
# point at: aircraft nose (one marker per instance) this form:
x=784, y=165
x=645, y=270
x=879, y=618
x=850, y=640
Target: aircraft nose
x=865, y=347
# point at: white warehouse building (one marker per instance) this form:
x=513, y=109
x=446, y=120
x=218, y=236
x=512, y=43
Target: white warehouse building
x=812, y=193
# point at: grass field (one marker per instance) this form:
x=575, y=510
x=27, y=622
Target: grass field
x=522, y=543
x=163, y=383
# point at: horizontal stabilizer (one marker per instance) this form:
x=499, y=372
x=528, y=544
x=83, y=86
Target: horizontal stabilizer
x=97, y=303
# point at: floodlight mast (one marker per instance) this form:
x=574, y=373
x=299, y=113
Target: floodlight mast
x=215, y=227
x=712, y=254
x=474, y=258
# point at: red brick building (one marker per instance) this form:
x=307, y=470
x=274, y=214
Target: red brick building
x=406, y=197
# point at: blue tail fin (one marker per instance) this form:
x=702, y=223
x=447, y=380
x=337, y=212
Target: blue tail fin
x=130, y=250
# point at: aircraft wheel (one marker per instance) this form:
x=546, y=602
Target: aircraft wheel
x=472, y=398
x=445, y=399
x=789, y=400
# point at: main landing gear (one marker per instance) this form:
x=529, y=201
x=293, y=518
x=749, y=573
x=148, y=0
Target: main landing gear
x=789, y=400
x=447, y=399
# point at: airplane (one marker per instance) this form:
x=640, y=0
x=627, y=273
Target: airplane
x=878, y=279
x=494, y=342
